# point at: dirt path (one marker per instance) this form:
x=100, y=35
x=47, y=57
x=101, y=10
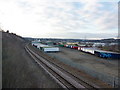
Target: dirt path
x=110, y=66
x=77, y=72
x=95, y=66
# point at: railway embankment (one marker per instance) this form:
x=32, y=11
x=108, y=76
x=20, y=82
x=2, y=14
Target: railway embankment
x=18, y=68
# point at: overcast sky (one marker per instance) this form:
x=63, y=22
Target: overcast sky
x=92, y=19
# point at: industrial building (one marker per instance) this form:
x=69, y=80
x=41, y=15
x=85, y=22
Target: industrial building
x=45, y=48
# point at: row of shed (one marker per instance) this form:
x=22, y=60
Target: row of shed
x=45, y=48
x=95, y=51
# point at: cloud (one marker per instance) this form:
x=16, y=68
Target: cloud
x=75, y=35
x=98, y=15
x=39, y=18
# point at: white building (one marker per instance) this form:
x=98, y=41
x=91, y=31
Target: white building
x=45, y=48
x=98, y=44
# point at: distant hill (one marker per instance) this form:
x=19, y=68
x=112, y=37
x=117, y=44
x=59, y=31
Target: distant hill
x=109, y=40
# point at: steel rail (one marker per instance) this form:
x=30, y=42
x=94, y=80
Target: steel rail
x=59, y=82
x=90, y=85
x=48, y=64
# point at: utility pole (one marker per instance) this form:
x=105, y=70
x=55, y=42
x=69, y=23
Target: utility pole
x=85, y=40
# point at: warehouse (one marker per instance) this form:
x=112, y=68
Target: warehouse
x=50, y=49
x=45, y=48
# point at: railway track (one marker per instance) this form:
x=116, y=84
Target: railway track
x=62, y=77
